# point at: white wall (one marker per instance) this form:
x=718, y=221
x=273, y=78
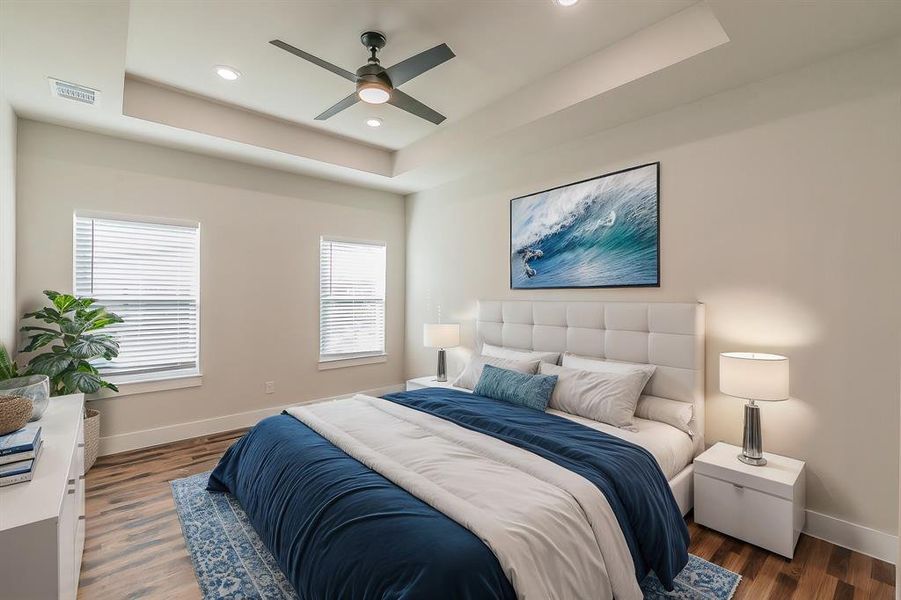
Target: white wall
x=7, y=226
x=780, y=211
x=259, y=264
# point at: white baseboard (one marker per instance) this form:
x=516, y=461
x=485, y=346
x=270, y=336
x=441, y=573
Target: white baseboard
x=871, y=542
x=182, y=431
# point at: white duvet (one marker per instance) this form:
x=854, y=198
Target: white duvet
x=552, y=531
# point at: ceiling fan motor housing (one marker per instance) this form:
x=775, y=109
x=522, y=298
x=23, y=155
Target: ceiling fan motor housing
x=373, y=73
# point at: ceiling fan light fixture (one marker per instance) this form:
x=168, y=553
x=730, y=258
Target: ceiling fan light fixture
x=373, y=93
x=227, y=73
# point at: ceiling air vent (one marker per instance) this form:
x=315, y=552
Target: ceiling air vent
x=72, y=91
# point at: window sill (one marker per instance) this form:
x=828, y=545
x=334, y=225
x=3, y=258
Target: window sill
x=339, y=363
x=130, y=387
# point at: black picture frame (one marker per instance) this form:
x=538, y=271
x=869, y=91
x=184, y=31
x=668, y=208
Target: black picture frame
x=656, y=284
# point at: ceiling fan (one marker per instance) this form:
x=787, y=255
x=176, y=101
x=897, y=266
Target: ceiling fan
x=375, y=83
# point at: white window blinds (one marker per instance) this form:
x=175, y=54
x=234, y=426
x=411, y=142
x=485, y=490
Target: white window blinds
x=351, y=299
x=148, y=274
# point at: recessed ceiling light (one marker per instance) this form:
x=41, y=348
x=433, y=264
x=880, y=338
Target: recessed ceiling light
x=227, y=73
x=374, y=122
x=566, y=2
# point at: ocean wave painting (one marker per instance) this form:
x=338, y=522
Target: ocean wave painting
x=603, y=232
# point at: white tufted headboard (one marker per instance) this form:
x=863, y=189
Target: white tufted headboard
x=668, y=335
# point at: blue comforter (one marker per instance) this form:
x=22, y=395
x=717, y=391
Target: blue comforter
x=340, y=530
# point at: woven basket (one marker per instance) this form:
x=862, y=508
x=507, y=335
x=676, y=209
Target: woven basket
x=14, y=413
x=91, y=437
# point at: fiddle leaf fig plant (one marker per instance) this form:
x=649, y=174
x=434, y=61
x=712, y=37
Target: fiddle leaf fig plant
x=73, y=339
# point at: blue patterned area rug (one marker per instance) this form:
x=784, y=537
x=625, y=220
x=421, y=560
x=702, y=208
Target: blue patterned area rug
x=231, y=562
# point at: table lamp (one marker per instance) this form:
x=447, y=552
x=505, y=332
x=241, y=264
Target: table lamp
x=441, y=336
x=753, y=376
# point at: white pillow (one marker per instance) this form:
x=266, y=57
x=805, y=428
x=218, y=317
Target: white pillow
x=521, y=355
x=599, y=365
x=473, y=371
x=600, y=396
x=672, y=412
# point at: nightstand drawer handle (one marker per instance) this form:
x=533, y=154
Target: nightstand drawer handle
x=738, y=487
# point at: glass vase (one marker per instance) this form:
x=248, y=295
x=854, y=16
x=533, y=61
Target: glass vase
x=36, y=387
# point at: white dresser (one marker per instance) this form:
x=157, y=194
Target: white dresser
x=42, y=521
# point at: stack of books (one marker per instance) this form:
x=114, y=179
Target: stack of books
x=19, y=453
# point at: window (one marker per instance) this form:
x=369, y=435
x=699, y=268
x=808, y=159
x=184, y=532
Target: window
x=351, y=299
x=148, y=273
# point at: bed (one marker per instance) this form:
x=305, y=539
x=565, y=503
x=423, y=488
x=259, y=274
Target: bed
x=439, y=493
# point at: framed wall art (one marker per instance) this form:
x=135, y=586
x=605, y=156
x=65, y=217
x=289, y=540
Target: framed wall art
x=598, y=233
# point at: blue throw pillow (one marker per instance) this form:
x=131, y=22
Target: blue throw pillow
x=531, y=391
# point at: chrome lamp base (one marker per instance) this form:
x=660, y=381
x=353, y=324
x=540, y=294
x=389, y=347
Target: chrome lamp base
x=442, y=366
x=752, y=444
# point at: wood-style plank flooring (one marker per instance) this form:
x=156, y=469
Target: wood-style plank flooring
x=134, y=547
x=133, y=542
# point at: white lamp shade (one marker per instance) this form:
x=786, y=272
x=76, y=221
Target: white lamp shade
x=441, y=335
x=754, y=376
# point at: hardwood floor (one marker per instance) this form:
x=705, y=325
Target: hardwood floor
x=134, y=547
x=133, y=542
x=819, y=570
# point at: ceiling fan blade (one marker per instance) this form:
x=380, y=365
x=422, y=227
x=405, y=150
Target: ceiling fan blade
x=315, y=60
x=416, y=65
x=334, y=110
x=414, y=106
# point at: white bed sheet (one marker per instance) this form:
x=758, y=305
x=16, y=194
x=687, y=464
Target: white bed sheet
x=672, y=448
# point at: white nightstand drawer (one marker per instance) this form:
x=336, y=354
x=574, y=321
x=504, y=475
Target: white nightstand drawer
x=745, y=513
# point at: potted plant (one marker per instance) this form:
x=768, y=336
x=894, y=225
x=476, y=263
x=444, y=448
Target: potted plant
x=72, y=341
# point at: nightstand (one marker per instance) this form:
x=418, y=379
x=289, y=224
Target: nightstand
x=761, y=505
x=425, y=382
